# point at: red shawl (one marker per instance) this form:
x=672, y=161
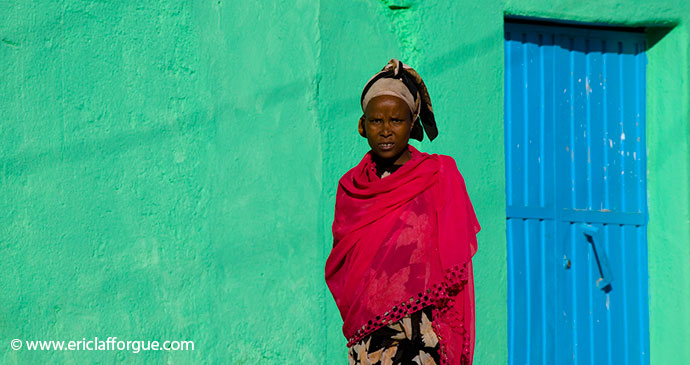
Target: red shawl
x=401, y=243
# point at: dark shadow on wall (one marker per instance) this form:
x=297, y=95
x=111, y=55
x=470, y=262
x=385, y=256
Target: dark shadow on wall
x=572, y=24
x=656, y=34
x=653, y=32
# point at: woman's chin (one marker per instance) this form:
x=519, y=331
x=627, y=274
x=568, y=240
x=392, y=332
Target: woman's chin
x=384, y=155
x=391, y=155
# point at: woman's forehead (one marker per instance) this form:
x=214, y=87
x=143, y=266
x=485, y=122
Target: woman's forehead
x=387, y=104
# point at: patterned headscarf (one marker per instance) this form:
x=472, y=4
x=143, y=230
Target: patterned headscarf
x=400, y=80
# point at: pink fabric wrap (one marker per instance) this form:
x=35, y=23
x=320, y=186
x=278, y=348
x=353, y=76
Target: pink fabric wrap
x=401, y=243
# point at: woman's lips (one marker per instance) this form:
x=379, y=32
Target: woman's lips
x=387, y=146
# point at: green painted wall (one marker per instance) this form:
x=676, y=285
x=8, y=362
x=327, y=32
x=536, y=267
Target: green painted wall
x=167, y=170
x=160, y=179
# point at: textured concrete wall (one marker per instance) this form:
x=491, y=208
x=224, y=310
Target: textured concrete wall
x=160, y=179
x=167, y=170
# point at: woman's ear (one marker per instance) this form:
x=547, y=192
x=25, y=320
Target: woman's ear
x=360, y=127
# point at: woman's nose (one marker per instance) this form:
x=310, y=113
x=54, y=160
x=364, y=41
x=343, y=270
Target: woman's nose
x=386, y=130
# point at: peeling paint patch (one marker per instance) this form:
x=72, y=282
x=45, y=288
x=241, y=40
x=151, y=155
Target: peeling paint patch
x=608, y=301
x=587, y=86
x=406, y=25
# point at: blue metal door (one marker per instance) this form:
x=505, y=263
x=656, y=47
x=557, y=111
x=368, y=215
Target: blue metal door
x=576, y=195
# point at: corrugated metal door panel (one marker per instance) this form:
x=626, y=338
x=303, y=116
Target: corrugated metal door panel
x=530, y=187
x=531, y=129
x=574, y=117
x=532, y=310
x=603, y=155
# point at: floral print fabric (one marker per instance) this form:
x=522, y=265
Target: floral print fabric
x=410, y=340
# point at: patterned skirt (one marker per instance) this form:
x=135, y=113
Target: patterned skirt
x=410, y=340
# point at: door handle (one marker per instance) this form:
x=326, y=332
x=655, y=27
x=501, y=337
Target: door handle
x=593, y=237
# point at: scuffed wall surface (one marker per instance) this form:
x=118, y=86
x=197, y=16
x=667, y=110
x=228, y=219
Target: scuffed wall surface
x=168, y=170
x=160, y=179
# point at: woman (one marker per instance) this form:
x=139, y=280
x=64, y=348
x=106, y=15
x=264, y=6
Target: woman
x=404, y=234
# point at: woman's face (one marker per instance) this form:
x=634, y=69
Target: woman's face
x=386, y=124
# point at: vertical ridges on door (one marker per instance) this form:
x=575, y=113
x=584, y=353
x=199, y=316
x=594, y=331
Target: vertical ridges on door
x=574, y=147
